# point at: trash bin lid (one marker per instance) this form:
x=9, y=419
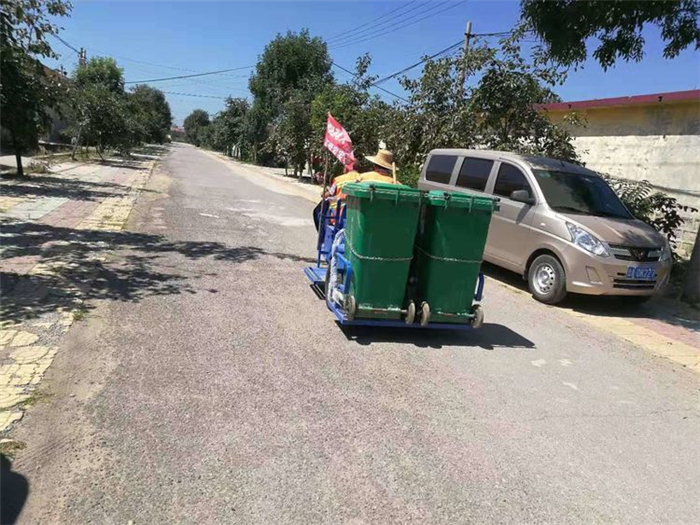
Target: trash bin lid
x=448, y=199
x=382, y=190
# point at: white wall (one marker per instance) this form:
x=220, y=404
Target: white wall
x=671, y=162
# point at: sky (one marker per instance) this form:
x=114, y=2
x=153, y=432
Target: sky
x=159, y=39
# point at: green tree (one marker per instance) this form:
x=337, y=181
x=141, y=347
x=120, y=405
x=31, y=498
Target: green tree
x=27, y=89
x=151, y=114
x=229, y=126
x=292, y=69
x=496, y=109
x=101, y=113
x=566, y=27
x=362, y=114
x=196, y=125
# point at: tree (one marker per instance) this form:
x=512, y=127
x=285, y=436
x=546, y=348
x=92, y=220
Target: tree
x=566, y=25
x=151, y=113
x=27, y=89
x=363, y=115
x=228, y=126
x=505, y=102
x=195, y=126
x=498, y=111
x=292, y=69
x=100, y=107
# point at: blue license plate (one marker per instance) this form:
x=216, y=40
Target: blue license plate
x=641, y=273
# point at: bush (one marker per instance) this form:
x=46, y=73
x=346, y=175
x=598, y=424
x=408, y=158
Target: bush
x=659, y=210
x=409, y=175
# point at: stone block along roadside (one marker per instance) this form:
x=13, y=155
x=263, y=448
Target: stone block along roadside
x=51, y=250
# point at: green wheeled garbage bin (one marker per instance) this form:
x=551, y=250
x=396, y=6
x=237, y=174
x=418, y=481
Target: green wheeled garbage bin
x=449, y=251
x=380, y=229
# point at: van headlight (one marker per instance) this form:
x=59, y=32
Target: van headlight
x=588, y=242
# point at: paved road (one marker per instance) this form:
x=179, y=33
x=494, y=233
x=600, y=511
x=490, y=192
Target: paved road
x=214, y=387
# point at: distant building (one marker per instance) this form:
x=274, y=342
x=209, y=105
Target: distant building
x=646, y=137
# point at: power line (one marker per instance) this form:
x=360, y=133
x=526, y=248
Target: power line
x=372, y=25
x=421, y=61
x=371, y=21
x=377, y=87
x=404, y=70
x=69, y=46
x=188, y=76
x=385, y=32
x=197, y=73
x=193, y=95
x=391, y=23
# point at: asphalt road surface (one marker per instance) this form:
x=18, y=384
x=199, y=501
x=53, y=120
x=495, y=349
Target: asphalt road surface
x=213, y=386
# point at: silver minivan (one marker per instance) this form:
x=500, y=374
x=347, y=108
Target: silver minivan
x=560, y=225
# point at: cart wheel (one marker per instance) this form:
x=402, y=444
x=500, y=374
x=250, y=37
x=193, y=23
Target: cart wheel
x=351, y=307
x=478, y=312
x=411, y=312
x=327, y=285
x=424, y=314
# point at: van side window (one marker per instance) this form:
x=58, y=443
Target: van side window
x=474, y=173
x=510, y=179
x=440, y=168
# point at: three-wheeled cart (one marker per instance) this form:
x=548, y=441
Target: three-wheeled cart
x=390, y=255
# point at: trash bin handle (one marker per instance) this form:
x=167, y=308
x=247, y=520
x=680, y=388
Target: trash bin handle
x=447, y=198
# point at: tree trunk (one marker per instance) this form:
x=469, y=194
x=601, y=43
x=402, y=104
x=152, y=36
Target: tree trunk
x=18, y=158
x=77, y=143
x=691, y=287
x=18, y=155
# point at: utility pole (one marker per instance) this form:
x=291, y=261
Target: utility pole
x=82, y=56
x=465, y=50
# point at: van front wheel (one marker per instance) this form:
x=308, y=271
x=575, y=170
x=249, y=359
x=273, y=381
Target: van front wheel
x=547, y=279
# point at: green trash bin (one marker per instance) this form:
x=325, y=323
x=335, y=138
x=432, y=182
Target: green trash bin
x=380, y=229
x=449, y=251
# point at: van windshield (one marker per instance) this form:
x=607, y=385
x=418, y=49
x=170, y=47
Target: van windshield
x=580, y=193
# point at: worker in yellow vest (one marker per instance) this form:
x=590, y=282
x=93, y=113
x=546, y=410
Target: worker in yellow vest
x=382, y=171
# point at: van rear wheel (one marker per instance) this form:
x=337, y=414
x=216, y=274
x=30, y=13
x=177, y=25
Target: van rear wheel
x=547, y=279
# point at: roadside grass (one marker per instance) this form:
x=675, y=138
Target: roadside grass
x=80, y=314
x=37, y=396
x=10, y=447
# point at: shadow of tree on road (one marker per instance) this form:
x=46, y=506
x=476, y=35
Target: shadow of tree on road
x=76, y=267
x=63, y=187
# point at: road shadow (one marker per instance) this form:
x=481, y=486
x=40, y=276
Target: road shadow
x=129, y=164
x=76, y=267
x=488, y=337
x=505, y=276
x=62, y=187
x=14, y=490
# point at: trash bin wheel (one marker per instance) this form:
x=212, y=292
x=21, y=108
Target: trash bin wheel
x=411, y=312
x=478, y=312
x=424, y=314
x=350, y=307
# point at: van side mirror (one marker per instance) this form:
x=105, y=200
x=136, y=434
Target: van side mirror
x=522, y=196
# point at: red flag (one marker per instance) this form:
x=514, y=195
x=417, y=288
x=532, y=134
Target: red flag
x=338, y=142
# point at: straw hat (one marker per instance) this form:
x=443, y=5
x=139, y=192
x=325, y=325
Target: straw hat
x=383, y=158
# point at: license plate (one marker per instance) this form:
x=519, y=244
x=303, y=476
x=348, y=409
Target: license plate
x=641, y=273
